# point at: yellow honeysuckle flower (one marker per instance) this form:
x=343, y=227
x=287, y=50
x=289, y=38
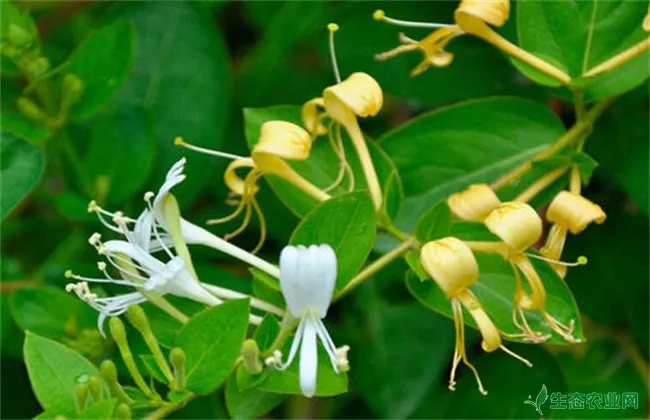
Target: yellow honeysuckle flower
x=519, y=226
x=279, y=140
x=472, y=17
x=312, y=114
x=568, y=212
x=451, y=264
x=474, y=203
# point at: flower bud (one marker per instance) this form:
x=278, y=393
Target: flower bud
x=37, y=67
x=95, y=387
x=517, y=224
x=473, y=203
x=250, y=353
x=71, y=90
x=311, y=115
x=177, y=359
x=359, y=94
x=451, y=264
x=123, y=412
x=494, y=12
x=283, y=139
x=31, y=110
x=574, y=211
x=81, y=396
x=19, y=36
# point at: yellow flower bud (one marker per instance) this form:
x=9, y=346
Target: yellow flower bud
x=474, y=203
x=517, y=224
x=235, y=183
x=312, y=113
x=494, y=12
x=283, y=139
x=451, y=264
x=574, y=211
x=359, y=94
x=489, y=332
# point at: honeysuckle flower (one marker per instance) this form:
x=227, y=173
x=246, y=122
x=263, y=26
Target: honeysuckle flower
x=279, y=141
x=568, y=212
x=451, y=264
x=474, y=203
x=471, y=17
x=518, y=226
x=153, y=228
x=307, y=279
x=139, y=270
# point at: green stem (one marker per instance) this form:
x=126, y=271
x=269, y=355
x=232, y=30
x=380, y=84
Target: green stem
x=74, y=159
x=390, y=228
x=580, y=128
x=375, y=266
x=166, y=409
x=289, y=323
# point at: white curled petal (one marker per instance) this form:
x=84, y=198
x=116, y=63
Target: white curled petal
x=147, y=261
x=174, y=177
x=290, y=279
x=142, y=230
x=308, y=368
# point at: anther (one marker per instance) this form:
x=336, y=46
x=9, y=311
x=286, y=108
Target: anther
x=333, y=27
x=148, y=195
x=94, y=239
x=93, y=207
x=101, y=265
x=68, y=275
x=378, y=14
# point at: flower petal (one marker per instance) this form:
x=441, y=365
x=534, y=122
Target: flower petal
x=308, y=359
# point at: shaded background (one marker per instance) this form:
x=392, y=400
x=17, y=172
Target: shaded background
x=195, y=66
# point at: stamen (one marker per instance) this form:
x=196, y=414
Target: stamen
x=178, y=141
x=93, y=207
x=101, y=265
x=95, y=239
x=342, y=358
x=515, y=355
x=380, y=15
x=582, y=260
x=333, y=27
x=148, y=195
x=155, y=225
x=275, y=360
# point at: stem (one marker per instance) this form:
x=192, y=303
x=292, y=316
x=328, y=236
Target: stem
x=539, y=185
x=390, y=228
x=574, y=133
x=619, y=59
x=167, y=307
x=168, y=408
x=374, y=267
x=74, y=159
x=289, y=323
x=224, y=293
x=575, y=180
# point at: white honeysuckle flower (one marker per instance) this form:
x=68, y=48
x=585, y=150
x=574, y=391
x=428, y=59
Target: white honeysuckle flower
x=307, y=279
x=140, y=270
x=152, y=220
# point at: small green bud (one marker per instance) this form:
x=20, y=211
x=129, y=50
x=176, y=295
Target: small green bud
x=19, y=36
x=95, y=387
x=177, y=359
x=31, y=110
x=136, y=316
x=108, y=371
x=118, y=332
x=81, y=395
x=37, y=67
x=71, y=90
x=123, y=412
x=251, y=357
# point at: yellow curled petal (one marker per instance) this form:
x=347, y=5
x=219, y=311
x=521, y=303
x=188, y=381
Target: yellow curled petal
x=473, y=203
x=489, y=332
x=574, y=211
x=359, y=94
x=451, y=264
x=283, y=139
x=517, y=224
x=494, y=12
x=234, y=182
x=537, y=297
x=311, y=115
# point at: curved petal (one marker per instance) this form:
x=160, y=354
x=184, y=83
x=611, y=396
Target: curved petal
x=138, y=254
x=174, y=177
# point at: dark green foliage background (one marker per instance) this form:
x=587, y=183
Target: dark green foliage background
x=194, y=67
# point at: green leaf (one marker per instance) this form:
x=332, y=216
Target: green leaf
x=121, y=153
x=348, y=225
x=249, y=403
x=266, y=333
x=74, y=207
x=587, y=165
x=212, y=342
x=33, y=310
x=583, y=34
x=435, y=223
x=179, y=77
x=102, y=410
x=391, y=384
x=55, y=371
x=102, y=62
x=322, y=166
x=469, y=142
x=24, y=128
x=20, y=169
x=495, y=289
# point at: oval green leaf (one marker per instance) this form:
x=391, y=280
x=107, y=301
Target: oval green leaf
x=444, y=151
x=212, y=342
x=348, y=225
x=54, y=371
x=20, y=169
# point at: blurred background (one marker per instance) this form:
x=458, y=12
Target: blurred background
x=195, y=66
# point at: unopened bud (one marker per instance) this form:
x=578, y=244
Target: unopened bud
x=71, y=90
x=117, y=330
x=250, y=353
x=37, y=67
x=108, y=371
x=19, y=36
x=177, y=359
x=451, y=264
x=81, y=395
x=122, y=412
x=31, y=110
x=95, y=387
x=136, y=316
